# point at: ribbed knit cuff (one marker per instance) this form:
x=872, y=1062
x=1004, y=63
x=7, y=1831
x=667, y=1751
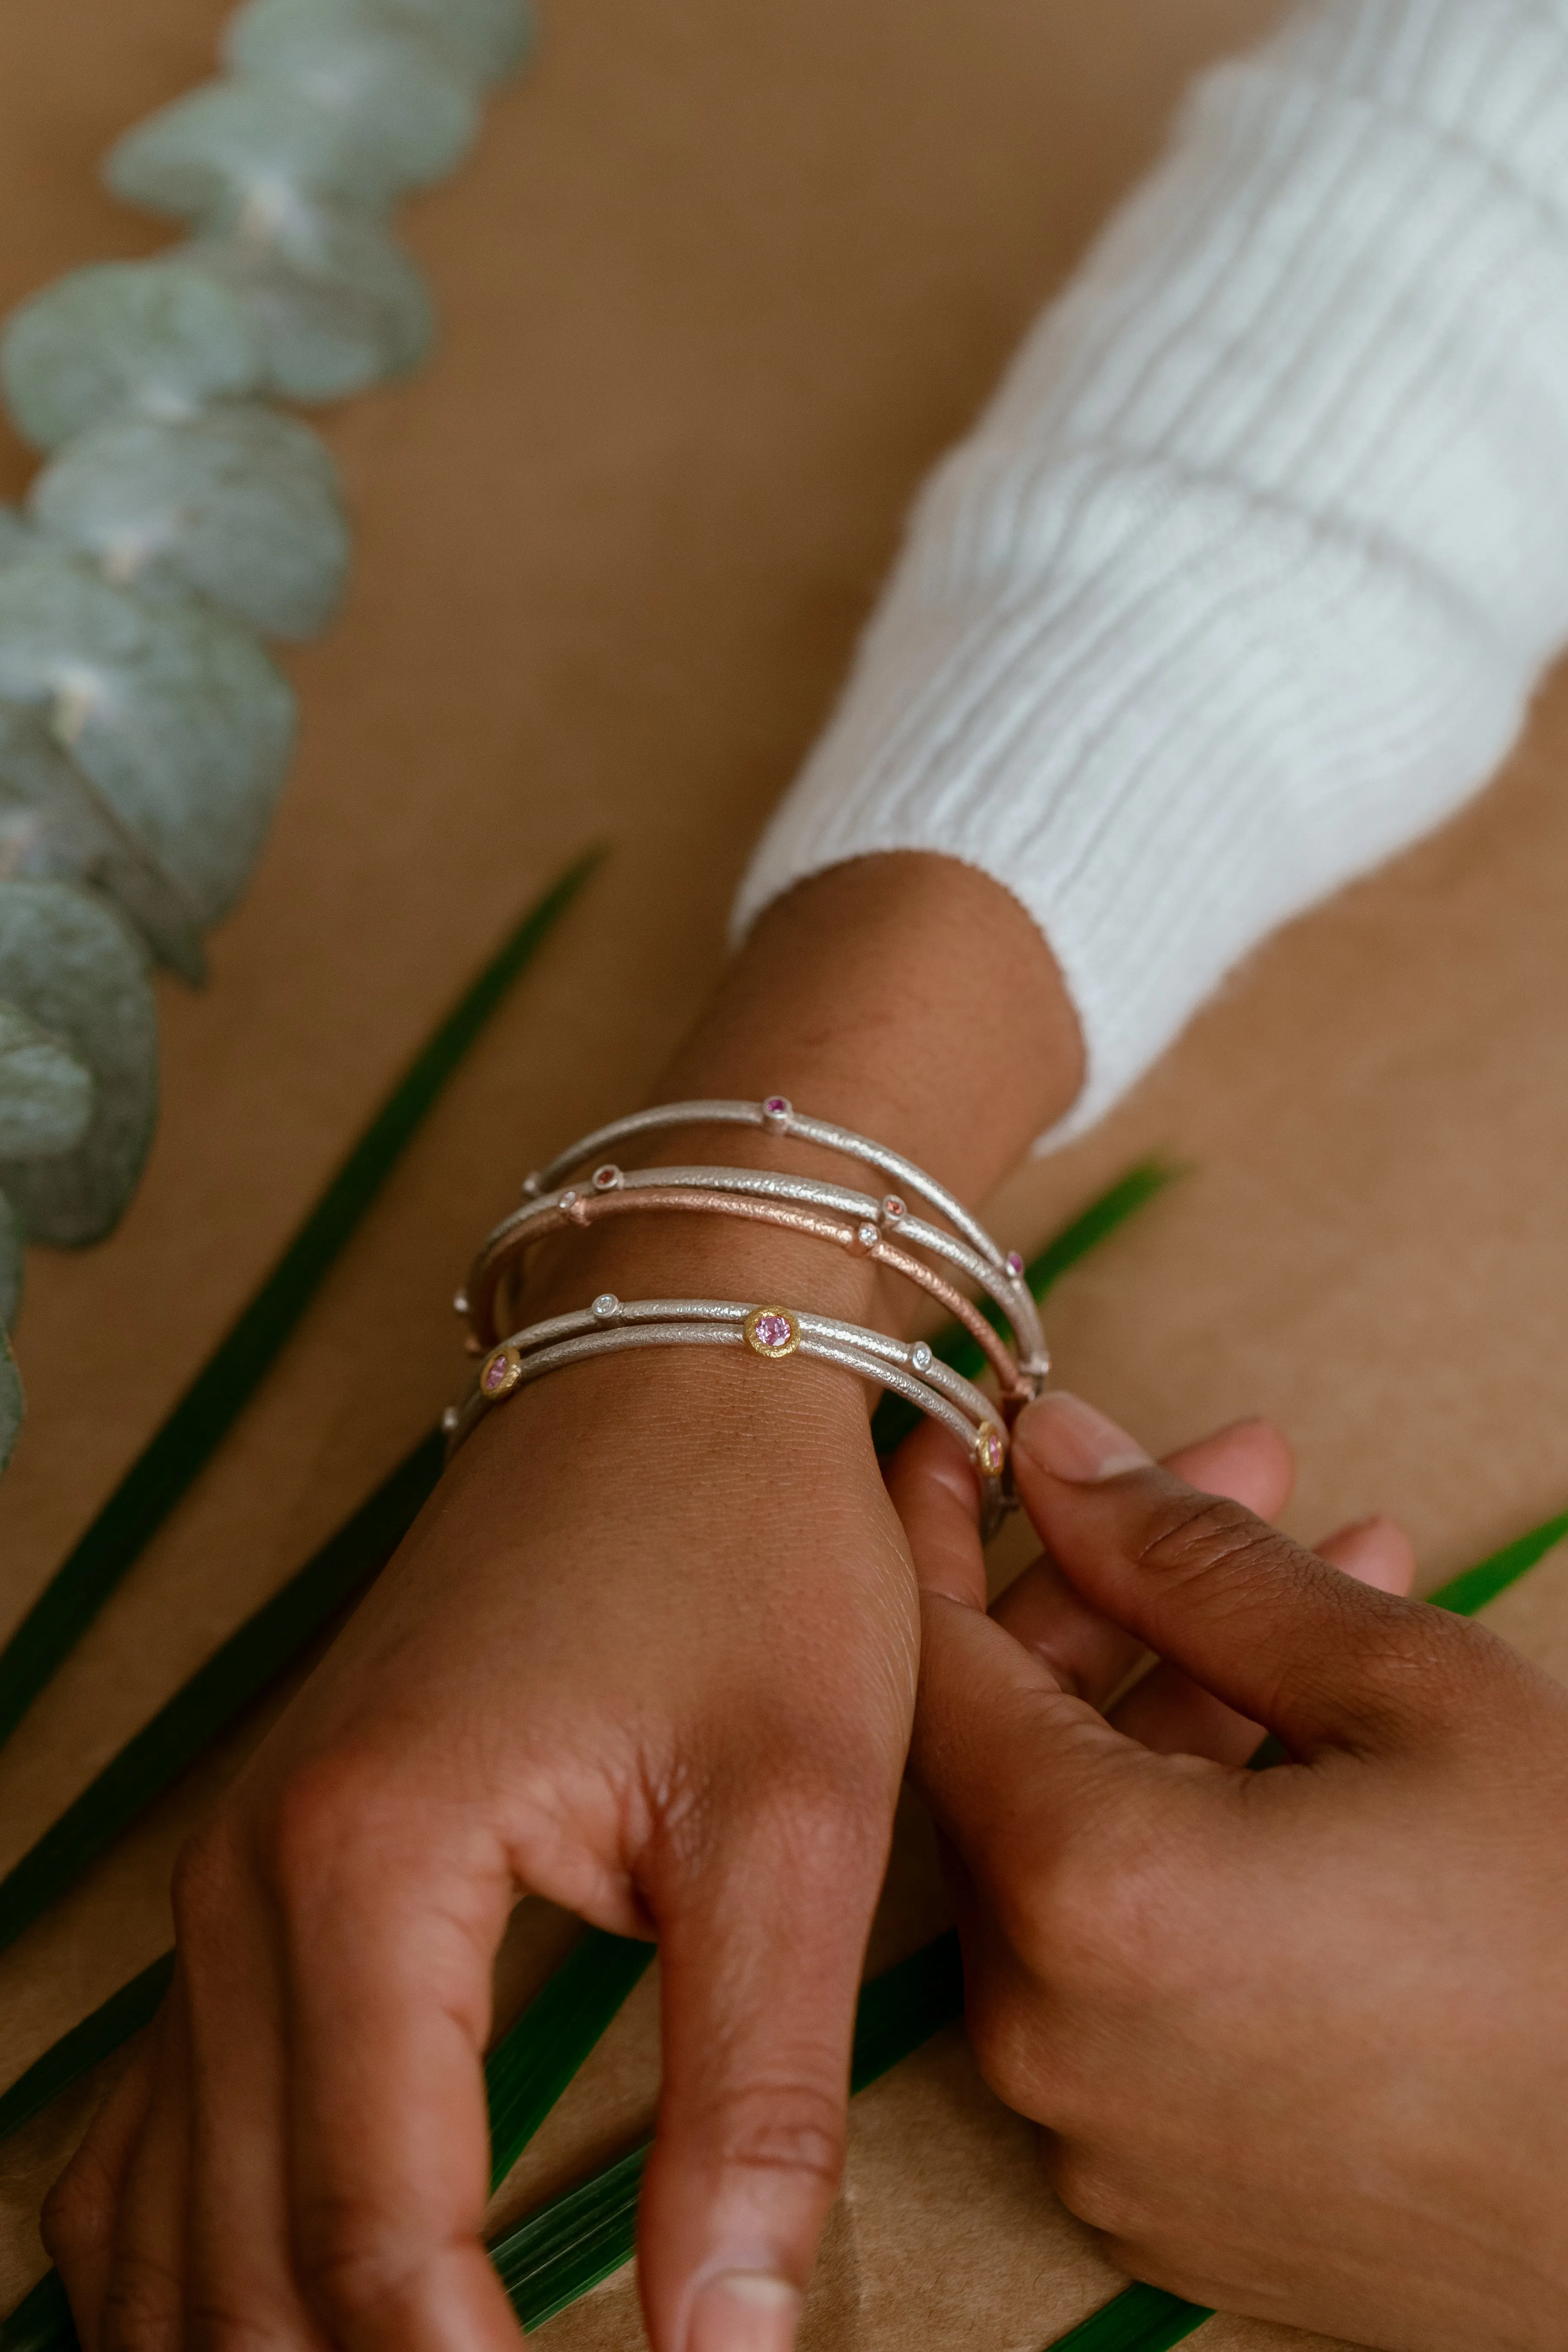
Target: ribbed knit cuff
x=1244, y=579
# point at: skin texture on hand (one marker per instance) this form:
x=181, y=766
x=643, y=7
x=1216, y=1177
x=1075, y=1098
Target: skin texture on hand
x=650, y=1651
x=1297, y=2037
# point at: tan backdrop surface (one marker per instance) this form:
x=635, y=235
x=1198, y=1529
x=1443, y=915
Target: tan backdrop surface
x=719, y=284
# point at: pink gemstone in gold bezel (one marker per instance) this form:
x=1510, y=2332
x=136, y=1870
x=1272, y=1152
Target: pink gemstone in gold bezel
x=989, y=1453
x=771, y=1331
x=499, y=1374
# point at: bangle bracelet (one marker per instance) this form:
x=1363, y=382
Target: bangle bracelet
x=477, y=1302
x=610, y=1325
x=888, y=1217
x=778, y=1116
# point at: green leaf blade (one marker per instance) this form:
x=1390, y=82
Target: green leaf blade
x=209, y=1702
x=178, y=1451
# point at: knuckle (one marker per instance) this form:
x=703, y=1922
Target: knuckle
x=215, y=2327
x=351, y=2264
x=1009, y=2049
x=78, y=2218
x=1202, y=1535
x=324, y=1810
x=792, y=2128
x=141, y=2305
x=1095, y=2193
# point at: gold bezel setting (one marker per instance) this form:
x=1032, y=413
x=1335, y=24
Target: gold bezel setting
x=760, y=1329
x=499, y=1374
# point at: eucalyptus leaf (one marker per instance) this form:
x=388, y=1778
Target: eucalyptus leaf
x=236, y=504
x=46, y=1093
x=396, y=89
x=336, y=304
x=122, y=335
x=250, y=146
x=12, y=1407
x=10, y=1265
x=17, y=536
x=71, y=964
x=175, y=715
x=54, y=824
x=490, y=36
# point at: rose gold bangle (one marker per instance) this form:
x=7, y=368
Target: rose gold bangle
x=580, y=1210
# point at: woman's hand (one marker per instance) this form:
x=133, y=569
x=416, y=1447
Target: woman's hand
x=1296, y=2036
x=650, y=1651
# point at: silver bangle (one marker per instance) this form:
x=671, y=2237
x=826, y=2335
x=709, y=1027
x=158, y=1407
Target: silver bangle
x=871, y=1218
x=778, y=1116
x=910, y=1370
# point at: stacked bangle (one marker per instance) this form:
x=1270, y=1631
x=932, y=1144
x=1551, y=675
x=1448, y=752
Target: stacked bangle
x=910, y=1369
x=881, y=1229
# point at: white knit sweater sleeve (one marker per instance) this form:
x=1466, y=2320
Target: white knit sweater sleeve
x=1244, y=578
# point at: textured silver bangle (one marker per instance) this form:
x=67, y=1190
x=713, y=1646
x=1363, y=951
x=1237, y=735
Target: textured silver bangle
x=611, y=1325
x=872, y=1219
x=479, y=1299
x=776, y=1115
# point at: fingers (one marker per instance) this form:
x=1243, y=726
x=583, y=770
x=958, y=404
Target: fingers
x=1174, y=1715
x=1270, y=1629
x=1375, y=1552
x=1085, y=1650
x=388, y=1923
x=763, y=1919
x=240, y=2269
x=79, y=2215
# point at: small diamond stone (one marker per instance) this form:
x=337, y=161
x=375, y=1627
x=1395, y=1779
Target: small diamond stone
x=867, y=1237
x=450, y=1419
x=1015, y=1264
x=920, y=1359
x=460, y=1303
x=568, y=1199
x=607, y=1305
x=531, y=1187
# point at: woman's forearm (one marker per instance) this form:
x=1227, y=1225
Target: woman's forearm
x=1245, y=579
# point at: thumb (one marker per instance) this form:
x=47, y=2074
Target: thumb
x=1269, y=1627
x=1002, y=1754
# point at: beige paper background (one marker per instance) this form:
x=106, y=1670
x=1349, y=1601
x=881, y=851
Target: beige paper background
x=719, y=283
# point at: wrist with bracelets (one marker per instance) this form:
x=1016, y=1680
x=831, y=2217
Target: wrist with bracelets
x=881, y=1228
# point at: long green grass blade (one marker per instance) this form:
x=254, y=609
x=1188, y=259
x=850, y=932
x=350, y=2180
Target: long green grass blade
x=179, y=1450
x=531, y=2065
x=97, y=2036
x=894, y=1420
x=1471, y=1590
x=214, y=1695
x=581, y=2237
x=1141, y=2319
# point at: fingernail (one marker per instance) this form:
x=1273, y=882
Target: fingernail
x=744, y=2311
x=1069, y=1438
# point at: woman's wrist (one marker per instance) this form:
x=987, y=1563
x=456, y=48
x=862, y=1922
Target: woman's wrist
x=908, y=997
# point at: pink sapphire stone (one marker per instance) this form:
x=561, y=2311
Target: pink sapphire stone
x=1015, y=1264
x=772, y=1330
x=495, y=1374
x=777, y=1106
